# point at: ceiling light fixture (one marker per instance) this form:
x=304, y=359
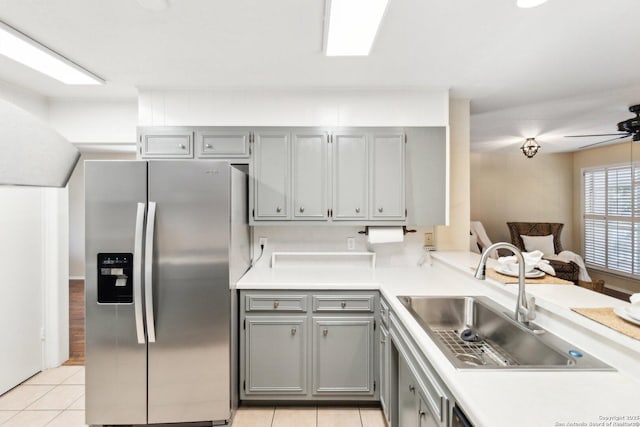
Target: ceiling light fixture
x=530, y=147
x=25, y=50
x=352, y=26
x=526, y=4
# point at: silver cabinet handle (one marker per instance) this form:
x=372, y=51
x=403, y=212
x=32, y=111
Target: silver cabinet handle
x=208, y=146
x=276, y=304
x=301, y=209
x=278, y=209
x=380, y=209
x=357, y=210
x=137, y=273
x=412, y=389
x=325, y=332
x=293, y=331
x=343, y=304
x=182, y=146
x=148, y=272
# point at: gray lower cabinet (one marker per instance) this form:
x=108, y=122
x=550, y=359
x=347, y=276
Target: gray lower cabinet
x=343, y=355
x=308, y=345
x=385, y=370
x=275, y=355
x=413, y=411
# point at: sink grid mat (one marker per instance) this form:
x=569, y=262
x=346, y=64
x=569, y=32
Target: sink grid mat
x=451, y=338
x=606, y=317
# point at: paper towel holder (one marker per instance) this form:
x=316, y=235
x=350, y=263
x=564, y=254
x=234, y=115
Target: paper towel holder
x=404, y=230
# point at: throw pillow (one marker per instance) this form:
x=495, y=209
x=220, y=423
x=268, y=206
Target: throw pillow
x=543, y=244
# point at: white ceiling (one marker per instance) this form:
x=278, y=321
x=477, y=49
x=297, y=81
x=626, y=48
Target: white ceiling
x=568, y=66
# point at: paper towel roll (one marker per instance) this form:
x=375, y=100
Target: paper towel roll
x=385, y=235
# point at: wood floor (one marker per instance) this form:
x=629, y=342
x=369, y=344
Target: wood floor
x=76, y=323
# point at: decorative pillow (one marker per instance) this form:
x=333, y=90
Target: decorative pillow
x=543, y=244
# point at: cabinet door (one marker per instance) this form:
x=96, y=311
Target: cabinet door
x=310, y=175
x=384, y=358
x=408, y=404
x=387, y=173
x=343, y=356
x=350, y=176
x=275, y=355
x=271, y=175
x=222, y=143
x=425, y=416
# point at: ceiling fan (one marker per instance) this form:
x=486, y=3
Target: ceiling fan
x=629, y=127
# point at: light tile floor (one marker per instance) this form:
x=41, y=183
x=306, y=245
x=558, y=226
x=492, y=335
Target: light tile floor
x=55, y=398
x=320, y=416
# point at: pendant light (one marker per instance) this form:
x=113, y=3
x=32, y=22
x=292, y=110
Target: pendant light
x=530, y=147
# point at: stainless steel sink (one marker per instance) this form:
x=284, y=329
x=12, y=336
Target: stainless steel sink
x=477, y=333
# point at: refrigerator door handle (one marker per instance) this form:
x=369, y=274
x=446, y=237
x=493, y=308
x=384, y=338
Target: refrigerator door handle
x=137, y=273
x=148, y=272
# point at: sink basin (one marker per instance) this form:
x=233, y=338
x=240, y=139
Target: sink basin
x=477, y=333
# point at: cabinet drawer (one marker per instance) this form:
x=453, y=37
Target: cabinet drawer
x=222, y=143
x=292, y=303
x=174, y=145
x=359, y=303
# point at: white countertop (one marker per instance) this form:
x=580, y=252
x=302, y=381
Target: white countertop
x=498, y=398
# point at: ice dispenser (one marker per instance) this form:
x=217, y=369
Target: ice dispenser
x=115, y=278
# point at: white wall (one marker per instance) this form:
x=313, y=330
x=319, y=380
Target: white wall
x=76, y=210
x=304, y=107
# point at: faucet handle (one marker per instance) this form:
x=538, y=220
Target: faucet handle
x=531, y=308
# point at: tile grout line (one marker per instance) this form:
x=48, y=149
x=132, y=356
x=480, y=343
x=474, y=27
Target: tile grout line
x=360, y=415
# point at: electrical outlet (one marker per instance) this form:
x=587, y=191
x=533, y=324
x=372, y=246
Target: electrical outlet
x=351, y=243
x=263, y=241
x=428, y=239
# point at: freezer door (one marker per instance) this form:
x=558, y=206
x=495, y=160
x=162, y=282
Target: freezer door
x=189, y=377
x=116, y=353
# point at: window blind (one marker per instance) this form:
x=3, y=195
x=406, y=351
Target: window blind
x=611, y=214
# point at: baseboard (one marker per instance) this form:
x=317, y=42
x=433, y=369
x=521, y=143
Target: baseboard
x=76, y=277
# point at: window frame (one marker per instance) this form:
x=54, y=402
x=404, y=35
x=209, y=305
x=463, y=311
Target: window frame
x=633, y=219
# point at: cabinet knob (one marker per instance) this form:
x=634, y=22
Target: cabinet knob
x=293, y=331
x=276, y=304
x=182, y=146
x=380, y=209
x=278, y=209
x=357, y=210
x=343, y=304
x=422, y=414
x=325, y=332
x=208, y=146
x=412, y=389
x=301, y=209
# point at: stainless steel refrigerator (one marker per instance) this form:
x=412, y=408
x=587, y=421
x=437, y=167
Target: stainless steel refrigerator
x=164, y=240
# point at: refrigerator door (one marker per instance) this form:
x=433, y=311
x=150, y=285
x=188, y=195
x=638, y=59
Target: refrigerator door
x=189, y=378
x=116, y=353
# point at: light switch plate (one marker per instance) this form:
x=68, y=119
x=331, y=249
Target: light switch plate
x=428, y=239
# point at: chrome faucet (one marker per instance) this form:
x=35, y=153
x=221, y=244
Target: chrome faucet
x=525, y=308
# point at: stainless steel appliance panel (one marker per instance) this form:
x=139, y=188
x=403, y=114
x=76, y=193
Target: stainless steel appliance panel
x=189, y=375
x=116, y=363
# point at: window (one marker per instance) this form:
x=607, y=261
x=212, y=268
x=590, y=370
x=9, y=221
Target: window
x=611, y=215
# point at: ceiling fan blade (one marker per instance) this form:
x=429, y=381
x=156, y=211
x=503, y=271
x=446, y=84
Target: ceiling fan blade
x=598, y=134
x=606, y=140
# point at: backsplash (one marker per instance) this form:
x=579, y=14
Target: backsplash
x=334, y=239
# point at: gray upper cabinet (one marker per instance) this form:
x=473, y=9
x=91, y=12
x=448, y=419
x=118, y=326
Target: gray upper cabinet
x=387, y=175
x=275, y=349
x=310, y=174
x=350, y=176
x=343, y=356
x=223, y=143
x=271, y=168
x=174, y=143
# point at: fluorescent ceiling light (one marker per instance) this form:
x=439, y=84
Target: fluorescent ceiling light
x=353, y=25
x=525, y=4
x=25, y=50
